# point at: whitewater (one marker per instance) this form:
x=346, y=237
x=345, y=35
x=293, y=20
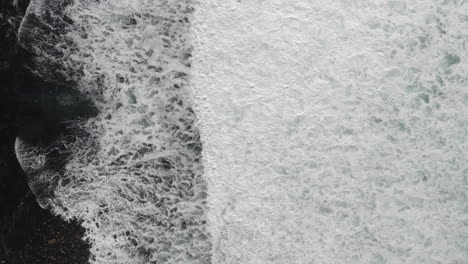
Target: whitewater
x=334, y=131
x=281, y=131
x=133, y=172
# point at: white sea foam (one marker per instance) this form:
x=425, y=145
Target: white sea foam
x=334, y=131
x=135, y=176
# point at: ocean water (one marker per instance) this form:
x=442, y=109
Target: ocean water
x=281, y=131
x=334, y=131
x=132, y=172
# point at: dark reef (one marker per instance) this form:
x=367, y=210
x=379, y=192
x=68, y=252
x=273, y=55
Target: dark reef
x=28, y=233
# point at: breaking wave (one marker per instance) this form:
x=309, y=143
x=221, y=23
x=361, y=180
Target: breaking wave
x=133, y=171
x=334, y=131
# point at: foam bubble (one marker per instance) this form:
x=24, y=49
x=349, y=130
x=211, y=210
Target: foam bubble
x=138, y=184
x=333, y=132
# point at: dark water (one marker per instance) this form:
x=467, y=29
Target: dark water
x=151, y=195
x=28, y=233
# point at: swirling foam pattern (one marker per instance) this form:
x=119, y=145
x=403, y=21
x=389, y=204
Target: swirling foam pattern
x=334, y=131
x=135, y=176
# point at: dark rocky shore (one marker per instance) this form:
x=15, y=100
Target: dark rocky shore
x=28, y=233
